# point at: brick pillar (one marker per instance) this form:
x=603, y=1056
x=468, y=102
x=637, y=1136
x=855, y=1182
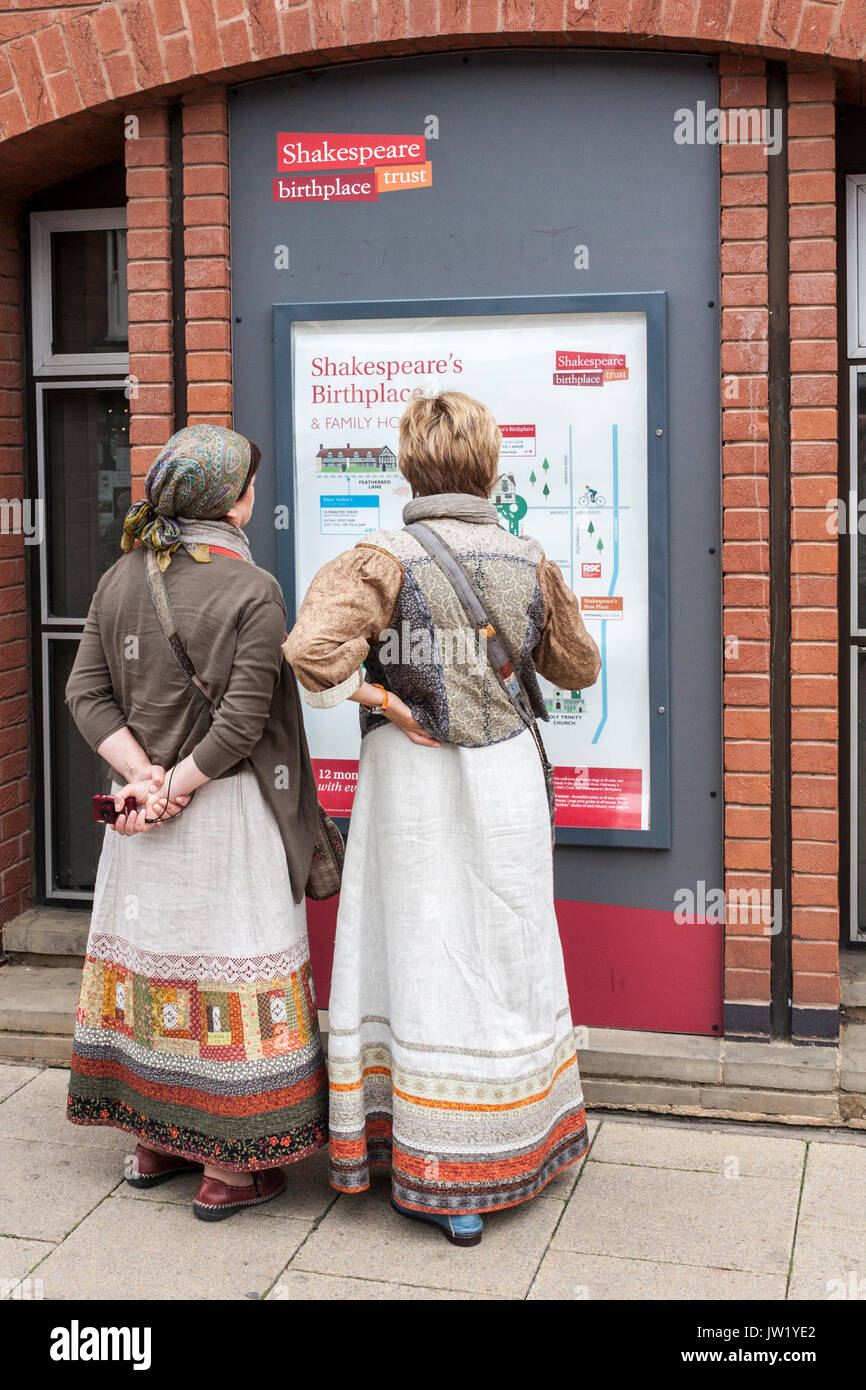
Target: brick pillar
x=746, y=530
x=815, y=552
x=149, y=282
x=206, y=251
x=14, y=742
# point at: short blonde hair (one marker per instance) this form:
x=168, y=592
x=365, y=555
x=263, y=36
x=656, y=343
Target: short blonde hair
x=449, y=443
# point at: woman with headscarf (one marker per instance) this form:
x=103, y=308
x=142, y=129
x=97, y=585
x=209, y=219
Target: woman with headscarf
x=197, y=1028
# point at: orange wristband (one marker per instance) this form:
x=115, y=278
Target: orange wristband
x=385, y=693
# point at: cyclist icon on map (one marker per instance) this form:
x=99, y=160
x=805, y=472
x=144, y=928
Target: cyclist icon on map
x=591, y=498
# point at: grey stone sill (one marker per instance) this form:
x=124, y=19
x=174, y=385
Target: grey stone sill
x=773, y=1066
x=47, y=931
x=853, y=1069
x=852, y=977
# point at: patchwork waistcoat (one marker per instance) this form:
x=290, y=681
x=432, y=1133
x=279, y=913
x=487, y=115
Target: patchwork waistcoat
x=433, y=659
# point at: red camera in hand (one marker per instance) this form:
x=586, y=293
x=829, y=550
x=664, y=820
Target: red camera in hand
x=105, y=812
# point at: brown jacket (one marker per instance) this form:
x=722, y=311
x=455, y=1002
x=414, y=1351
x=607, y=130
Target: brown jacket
x=231, y=618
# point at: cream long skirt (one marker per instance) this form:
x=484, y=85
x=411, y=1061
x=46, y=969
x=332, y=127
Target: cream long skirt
x=451, y=1052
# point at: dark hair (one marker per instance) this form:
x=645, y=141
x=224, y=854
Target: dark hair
x=255, y=460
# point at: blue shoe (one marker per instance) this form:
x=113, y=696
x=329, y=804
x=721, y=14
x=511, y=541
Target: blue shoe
x=460, y=1230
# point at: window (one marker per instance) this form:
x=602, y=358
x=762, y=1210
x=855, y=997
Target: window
x=78, y=265
x=81, y=388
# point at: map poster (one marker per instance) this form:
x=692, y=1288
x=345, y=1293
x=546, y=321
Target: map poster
x=569, y=392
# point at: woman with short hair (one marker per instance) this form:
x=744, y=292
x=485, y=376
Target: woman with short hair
x=197, y=1029
x=451, y=1050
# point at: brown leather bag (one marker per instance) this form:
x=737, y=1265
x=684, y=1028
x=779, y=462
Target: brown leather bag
x=326, y=870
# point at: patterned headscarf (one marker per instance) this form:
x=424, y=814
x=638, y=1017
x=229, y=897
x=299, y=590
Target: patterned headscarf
x=199, y=473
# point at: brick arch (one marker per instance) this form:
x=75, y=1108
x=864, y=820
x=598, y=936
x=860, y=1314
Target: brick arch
x=63, y=70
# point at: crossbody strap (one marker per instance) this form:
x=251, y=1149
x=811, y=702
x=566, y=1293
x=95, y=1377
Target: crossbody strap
x=158, y=591
x=497, y=655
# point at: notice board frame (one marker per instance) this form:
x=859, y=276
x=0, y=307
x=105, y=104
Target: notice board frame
x=653, y=304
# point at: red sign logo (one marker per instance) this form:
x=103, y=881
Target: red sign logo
x=326, y=188
x=302, y=152
x=570, y=361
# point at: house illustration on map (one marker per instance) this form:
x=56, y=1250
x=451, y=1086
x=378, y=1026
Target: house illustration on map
x=354, y=459
x=565, y=702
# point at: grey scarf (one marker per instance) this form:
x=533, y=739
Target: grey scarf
x=463, y=506
x=194, y=531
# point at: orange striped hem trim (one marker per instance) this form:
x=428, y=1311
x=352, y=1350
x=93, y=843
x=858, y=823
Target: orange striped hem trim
x=458, y=1105
x=500, y=1206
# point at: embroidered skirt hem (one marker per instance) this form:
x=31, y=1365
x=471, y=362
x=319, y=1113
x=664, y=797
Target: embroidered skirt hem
x=451, y=1048
x=197, y=1025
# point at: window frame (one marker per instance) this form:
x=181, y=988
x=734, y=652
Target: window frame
x=48, y=619
x=52, y=892
x=43, y=225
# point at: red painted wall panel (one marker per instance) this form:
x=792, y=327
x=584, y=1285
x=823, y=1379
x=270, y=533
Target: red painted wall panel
x=627, y=967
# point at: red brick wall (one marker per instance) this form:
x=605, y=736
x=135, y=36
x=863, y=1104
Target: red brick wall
x=814, y=482
x=206, y=249
x=745, y=552
x=814, y=594
x=60, y=60
x=206, y=272
x=149, y=282
x=14, y=747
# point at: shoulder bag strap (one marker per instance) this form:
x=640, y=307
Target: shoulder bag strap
x=497, y=655
x=158, y=590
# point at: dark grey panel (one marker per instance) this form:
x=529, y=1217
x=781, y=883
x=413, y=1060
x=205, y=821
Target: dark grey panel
x=538, y=152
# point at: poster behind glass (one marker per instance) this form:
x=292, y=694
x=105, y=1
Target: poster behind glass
x=569, y=392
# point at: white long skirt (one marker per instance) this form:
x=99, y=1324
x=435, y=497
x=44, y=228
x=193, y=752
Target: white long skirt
x=451, y=1052
x=197, y=1028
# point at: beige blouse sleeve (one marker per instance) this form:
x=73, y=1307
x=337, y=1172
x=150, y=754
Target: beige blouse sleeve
x=566, y=655
x=348, y=604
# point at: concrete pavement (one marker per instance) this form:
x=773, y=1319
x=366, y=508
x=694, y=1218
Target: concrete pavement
x=659, y=1209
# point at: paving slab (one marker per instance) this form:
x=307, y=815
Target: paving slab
x=834, y=1190
x=565, y=1274
x=716, y=1150
x=695, y=1218
x=12, y=1078
x=149, y=1250
x=18, y=1258
x=562, y=1185
x=363, y=1235
x=296, y=1285
x=48, y=1188
x=37, y=1112
x=308, y=1193
x=829, y=1262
